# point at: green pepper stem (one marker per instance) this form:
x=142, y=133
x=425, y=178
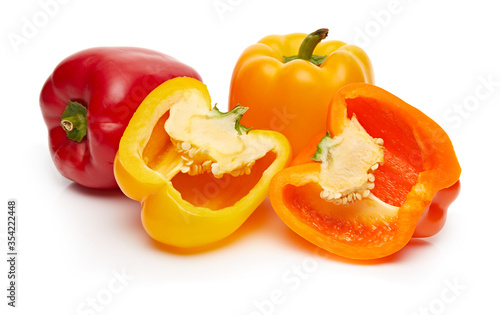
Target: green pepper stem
x=310, y=42
x=74, y=121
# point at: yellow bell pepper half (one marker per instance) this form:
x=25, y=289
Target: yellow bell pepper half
x=197, y=172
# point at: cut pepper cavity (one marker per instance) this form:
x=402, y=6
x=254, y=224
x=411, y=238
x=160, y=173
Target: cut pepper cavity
x=384, y=173
x=197, y=172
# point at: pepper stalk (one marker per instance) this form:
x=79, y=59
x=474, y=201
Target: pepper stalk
x=74, y=121
x=307, y=48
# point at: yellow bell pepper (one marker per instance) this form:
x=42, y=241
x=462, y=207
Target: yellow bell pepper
x=197, y=172
x=288, y=88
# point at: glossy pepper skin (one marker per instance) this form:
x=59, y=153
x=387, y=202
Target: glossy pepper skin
x=420, y=176
x=293, y=97
x=178, y=209
x=108, y=83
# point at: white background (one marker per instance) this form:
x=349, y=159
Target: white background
x=73, y=241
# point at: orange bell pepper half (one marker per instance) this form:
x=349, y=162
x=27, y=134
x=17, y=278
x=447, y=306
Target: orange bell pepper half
x=385, y=172
x=289, y=80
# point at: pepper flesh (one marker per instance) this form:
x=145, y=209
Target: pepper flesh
x=292, y=97
x=419, y=162
x=180, y=209
x=88, y=101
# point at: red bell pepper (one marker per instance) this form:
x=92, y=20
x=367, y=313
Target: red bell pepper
x=88, y=101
